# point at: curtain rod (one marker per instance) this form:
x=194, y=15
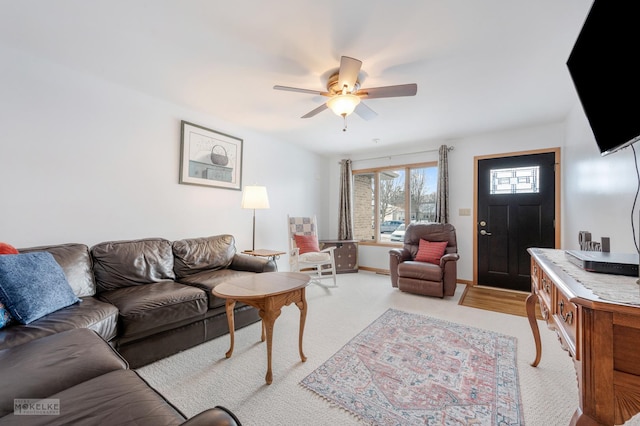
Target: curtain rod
x=450, y=148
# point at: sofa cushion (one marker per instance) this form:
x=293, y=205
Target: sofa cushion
x=49, y=365
x=420, y=271
x=91, y=313
x=120, y=264
x=195, y=255
x=119, y=397
x=75, y=261
x=315, y=256
x=208, y=280
x=150, y=309
x=33, y=285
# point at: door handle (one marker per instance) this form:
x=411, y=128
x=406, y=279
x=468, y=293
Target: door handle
x=483, y=232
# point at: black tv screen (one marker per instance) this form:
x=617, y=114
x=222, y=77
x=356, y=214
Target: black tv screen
x=604, y=65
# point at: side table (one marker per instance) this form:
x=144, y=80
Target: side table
x=271, y=254
x=346, y=254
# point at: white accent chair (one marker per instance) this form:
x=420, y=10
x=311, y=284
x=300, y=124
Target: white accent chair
x=320, y=265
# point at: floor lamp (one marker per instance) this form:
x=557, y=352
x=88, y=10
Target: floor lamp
x=255, y=197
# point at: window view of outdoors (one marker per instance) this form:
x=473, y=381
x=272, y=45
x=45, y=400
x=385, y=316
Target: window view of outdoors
x=392, y=202
x=390, y=198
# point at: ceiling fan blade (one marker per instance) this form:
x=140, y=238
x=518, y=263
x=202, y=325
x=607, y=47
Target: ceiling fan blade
x=389, y=91
x=348, y=74
x=365, y=112
x=295, y=89
x=315, y=111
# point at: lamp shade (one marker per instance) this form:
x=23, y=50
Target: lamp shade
x=255, y=197
x=343, y=104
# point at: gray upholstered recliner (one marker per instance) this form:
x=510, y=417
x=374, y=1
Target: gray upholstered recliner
x=421, y=277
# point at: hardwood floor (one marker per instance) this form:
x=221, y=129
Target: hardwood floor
x=497, y=300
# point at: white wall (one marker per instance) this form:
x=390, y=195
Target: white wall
x=598, y=192
x=83, y=160
x=461, y=166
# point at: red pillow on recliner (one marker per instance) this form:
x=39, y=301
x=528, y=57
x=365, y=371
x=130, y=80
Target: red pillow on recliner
x=431, y=251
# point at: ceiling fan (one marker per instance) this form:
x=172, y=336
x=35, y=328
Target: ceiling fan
x=345, y=94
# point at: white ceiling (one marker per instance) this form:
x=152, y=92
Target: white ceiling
x=480, y=65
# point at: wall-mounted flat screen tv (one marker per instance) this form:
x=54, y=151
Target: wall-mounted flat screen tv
x=604, y=65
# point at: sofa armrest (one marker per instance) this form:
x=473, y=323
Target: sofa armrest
x=245, y=262
x=449, y=257
x=448, y=263
x=218, y=416
x=399, y=255
x=396, y=257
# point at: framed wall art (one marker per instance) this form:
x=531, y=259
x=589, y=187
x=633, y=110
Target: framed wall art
x=210, y=158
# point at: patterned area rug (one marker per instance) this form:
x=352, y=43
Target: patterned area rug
x=408, y=369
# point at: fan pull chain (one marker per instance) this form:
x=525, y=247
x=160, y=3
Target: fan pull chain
x=344, y=116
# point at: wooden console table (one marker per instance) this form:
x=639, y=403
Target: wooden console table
x=601, y=336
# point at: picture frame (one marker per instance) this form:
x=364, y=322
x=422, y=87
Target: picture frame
x=210, y=158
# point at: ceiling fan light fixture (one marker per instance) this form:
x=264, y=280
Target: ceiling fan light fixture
x=344, y=104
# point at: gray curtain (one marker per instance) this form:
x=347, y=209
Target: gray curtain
x=442, y=195
x=345, y=216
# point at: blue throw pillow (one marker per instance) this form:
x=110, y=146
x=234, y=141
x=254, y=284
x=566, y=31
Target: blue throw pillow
x=33, y=285
x=5, y=316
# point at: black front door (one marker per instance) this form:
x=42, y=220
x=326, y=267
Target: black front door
x=516, y=210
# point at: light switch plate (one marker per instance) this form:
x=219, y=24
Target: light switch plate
x=464, y=212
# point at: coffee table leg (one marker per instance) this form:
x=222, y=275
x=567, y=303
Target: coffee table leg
x=269, y=315
x=302, y=305
x=230, y=304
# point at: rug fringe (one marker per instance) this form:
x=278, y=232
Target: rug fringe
x=333, y=404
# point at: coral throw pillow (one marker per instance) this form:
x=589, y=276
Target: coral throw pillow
x=431, y=251
x=7, y=249
x=307, y=243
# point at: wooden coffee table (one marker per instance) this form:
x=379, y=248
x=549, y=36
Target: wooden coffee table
x=268, y=292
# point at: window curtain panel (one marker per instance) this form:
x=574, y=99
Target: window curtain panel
x=442, y=195
x=345, y=216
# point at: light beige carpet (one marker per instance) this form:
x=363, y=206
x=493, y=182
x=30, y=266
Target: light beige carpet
x=202, y=377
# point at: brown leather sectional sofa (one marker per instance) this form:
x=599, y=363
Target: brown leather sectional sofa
x=84, y=381
x=148, y=298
